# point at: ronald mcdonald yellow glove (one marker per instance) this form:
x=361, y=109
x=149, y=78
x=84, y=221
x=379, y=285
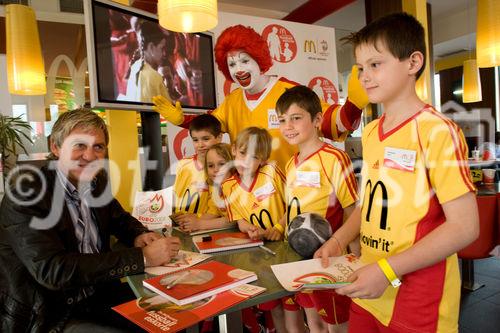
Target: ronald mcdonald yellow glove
x=171, y=113
x=355, y=91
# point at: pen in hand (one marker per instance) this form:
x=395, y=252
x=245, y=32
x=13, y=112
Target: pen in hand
x=165, y=232
x=177, y=280
x=268, y=250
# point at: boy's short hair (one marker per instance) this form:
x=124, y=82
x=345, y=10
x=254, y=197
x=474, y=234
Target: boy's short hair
x=303, y=97
x=206, y=122
x=83, y=119
x=401, y=33
x=256, y=138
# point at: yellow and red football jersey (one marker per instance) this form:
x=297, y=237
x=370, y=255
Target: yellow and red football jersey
x=408, y=173
x=190, y=187
x=261, y=204
x=216, y=205
x=323, y=183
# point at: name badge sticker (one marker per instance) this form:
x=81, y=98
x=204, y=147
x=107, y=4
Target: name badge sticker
x=272, y=119
x=264, y=191
x=308, y=179
x=400, y=159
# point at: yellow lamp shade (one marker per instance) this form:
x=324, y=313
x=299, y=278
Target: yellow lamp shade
x=471, y=82
x=187, y=15
x=25, y=70
x=488, y=33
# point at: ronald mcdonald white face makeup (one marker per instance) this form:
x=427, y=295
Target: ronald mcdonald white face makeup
x=244, y=70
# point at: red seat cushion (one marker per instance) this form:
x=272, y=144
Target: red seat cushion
x=481, y=247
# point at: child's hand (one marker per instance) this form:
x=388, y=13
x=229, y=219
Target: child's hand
x=188, y=222
x=272, y=234
x=256, y=233
x=367, y=282
x=331, y=248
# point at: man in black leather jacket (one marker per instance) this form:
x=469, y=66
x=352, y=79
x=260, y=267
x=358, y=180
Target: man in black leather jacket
x=57, y=272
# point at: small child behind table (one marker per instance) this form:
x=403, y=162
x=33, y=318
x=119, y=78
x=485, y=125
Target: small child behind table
x=320, y=180
x=191, y=187
x=218, y=167
x=254, y=197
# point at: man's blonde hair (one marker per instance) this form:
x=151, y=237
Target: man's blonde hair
x=80, y=118
x=255, y=138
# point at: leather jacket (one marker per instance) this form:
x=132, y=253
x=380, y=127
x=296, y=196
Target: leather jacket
x=41, y=271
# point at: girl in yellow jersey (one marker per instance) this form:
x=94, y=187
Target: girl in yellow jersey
x=216, y=170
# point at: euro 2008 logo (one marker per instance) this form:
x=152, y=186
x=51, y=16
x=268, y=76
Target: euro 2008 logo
x=281, y=43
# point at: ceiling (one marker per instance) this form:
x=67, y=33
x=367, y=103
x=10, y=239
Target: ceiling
x=449, y=37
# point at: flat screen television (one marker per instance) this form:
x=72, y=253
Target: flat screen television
x=131, y=59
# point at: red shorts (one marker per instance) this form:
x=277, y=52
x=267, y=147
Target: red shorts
x=288, y=303
x=331, y=307
x=361, y=321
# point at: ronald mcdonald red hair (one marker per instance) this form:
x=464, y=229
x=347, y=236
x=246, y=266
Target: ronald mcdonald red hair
x=239, y=37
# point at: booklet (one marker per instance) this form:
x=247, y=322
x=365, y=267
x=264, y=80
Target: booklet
x=205, y=231
x=224, y=242
x=157, y=314
x=309, y=274
x=198, y=282
x=182, y=260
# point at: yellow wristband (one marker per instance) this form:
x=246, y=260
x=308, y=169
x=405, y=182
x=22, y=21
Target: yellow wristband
x=279, y=227
x=389, y=272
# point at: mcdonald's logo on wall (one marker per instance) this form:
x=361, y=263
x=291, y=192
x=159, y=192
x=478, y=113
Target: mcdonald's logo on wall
x=309, y=46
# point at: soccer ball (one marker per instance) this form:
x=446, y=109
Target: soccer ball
x=307, y=232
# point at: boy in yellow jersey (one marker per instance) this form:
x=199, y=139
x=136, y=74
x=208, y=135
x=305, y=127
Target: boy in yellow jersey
x=319, y=179
x=254, y=197
x=418, y=206
x=191, y=187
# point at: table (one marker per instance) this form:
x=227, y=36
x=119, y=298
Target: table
x=253, y=259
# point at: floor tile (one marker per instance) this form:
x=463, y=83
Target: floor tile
x=481, y=317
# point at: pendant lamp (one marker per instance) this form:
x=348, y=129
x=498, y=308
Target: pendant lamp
x=471, y=82
x=187, y=15
x=488, y=33
x=25, y=69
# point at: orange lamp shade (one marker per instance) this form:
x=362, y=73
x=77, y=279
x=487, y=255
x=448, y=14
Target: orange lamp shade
x=488, y=33
x=471, y=82
x=187, y=15
x=25, y=69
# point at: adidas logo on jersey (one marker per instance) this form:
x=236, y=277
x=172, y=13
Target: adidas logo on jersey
x=375, y=165
x=322, y=312
x=255, y=205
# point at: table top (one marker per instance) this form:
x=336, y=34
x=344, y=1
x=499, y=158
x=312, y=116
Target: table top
x=252, y=259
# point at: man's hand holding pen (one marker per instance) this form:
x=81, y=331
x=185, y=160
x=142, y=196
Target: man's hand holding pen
x=161, y=251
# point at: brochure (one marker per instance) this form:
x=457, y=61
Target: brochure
x=309, y=274
x=184, y=259
x=198, y=282
x=157, y=314
x=224, y=242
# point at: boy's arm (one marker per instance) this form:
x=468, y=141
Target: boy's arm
x=354, y=246
x=209, y=221
x=341, y=238
x=459, y=230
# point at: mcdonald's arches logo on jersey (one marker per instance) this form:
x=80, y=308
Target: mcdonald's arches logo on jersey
x=188, y=199
x=260, y=219
x=372, y=192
